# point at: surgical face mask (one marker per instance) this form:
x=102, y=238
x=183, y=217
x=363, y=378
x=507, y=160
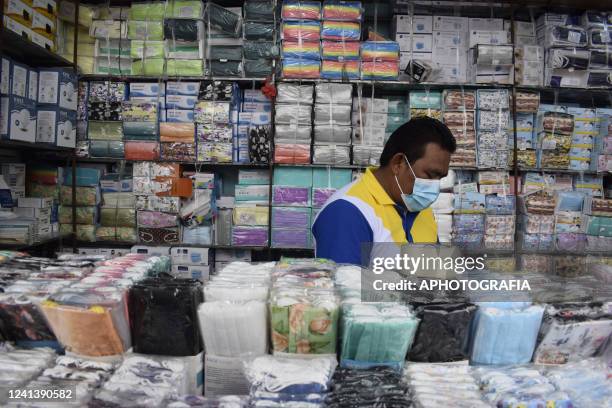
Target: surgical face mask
x=424, y=192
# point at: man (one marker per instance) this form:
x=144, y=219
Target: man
x=389, y=203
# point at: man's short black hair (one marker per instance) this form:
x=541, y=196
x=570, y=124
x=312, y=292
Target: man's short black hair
x=412, y=137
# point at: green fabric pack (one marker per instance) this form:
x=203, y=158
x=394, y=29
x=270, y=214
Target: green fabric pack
x=425, y=100
x=330, y=178
x=84, y=215
x=140, y=49
x=104, y=130
x=148, y=11
x=146, y=30
x=148, y=67
x=293, y=176
x=178, y=67
x=600, y=226
x=185, y=9
x=118, y=217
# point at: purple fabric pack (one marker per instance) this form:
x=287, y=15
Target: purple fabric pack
x=288, y=217
x=290, y=238
x=291, y=196
x=321, y=195
x=250, y=236
x=571, y=242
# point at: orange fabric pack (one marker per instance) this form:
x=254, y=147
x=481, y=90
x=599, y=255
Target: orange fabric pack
x=179, y=187
x=177, y=132
x=141, y=150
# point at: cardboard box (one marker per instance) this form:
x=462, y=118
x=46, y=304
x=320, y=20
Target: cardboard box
x=414, y=42
x=412, y=24
x=17, y=119
x=183, y=88
x=179, y=115
x=19, y=80
x=35, y=202
x=449, y=23
x=14, y=174
x=43, y=41
x=19, y=10
x=198, y=272
x=520, y=40
x=57, y=86
x=5, y=76
x=49, y=7
x=43, y=24
x=180, y=101
x=189, y=256
x=56, y=126
x=151, y=250
x=151, y=89
x=485, y=24
x=523, y=28
x=452, y=39
x=42, y=214
x=32, y=93
x=17, y=192
x=18, y=26
x=488, y=37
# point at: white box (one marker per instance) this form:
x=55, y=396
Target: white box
x=229, y=255
x=183, y=88
x=253, y=176
x=488, y=37
x=198, y=272
x=21, y=114
x=416, y=24
x=454, y=39
x=414, y=42
x=46, y=6
x=485, y=24
x=32, y=85
x=256, y=107
x=405, y=58
x=449, y=23
x=19, y=80
x=523, y=28
x=43, y=214
x=371, y=136
x=113, y=252
x=18, y=9
x=57, y=86
x=43, y=41
x=56, y=126
x=451, y=73
x=189, y=255
x=450, y=56
x=161, y=101
x=376, y=105
x=17, y=192
x=529, y=72
x=252, y=193
x=18, y=27
x=43, y=24
x=180, y=101
x=565, y=78
x=138, y=89
x=151, y=250
x=179, y=115
x=369, y=119
x=14, y=174
x=254, y=95
x=66, y=128
x=5, y=76
x=551, y=19
x=520, y=40
x=529, y=53
x=35, y=202
x=224, y=376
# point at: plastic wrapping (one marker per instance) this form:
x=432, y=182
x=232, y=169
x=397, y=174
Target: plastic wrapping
x=120, y=234
x=155, y=316
x=290, y=196
x=294, y=93
x=332, y=114
x=301, y=50
x=158, y=236
x=304, y=322
x=301, y=10
x=292, y=114
x=249, y=236
x=516, y=328
x=301, y=31
x=234, y=329
x=340, y=30
x=340, y=70
x=226, y=52
x=104, y=130
x=141, y=150
x=223, y=19
x=260, y=10
x=290, y=217
x=226, y=68
x=182, y=152
x=214, y=152
x=291, y=238
x=342, y=10
x=84, y=215
x=377, y=333
x=254, y=50
x=443, y=332
x=331, y=154
x=340, y=51
x=380, y=51
x=145, y=30
x=260, y=140
x=368, y=387
x=258, y=68
x=177, y=132
x=379, y=70
x=85, y=196
x=183, y=29
x=305, y=69
x=250, y=216
x=254, y=30
x=585, y=382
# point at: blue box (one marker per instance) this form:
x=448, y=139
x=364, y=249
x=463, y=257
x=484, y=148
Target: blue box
x=331, y=178
x=293, y=176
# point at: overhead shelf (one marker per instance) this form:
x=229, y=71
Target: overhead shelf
x=54, y=240
x=19, y=145
x=25, y=51
x=99, y=77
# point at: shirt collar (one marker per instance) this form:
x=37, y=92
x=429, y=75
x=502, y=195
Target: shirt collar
x=374, y=187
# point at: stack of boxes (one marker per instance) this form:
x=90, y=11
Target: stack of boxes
x=145, y=30
x=87, y=203
x=57, y=104
x=140, y=120
x=603, y=152
x=370, y=119
x=34, y=20
x=555, y=128
x=490, y=58
x=214, y=131
x=332, y=124
x=414, y=36
x=426, y=103
x=468, y=212
x=599, y=37
x=224, y=39
x=459, y=115
x=584, y=137
x=158, y=188
x=250, y=217
x=450, y=48
x=301, y=35
x=527, y=105
x=104, y=126
x=33, y=222
x=253, y=134
x=112, y=55
x=177, y=133
x=528, y=56
x=198, y=210
x=340, y=35
x=190, y=263
x=492, y=124
x=14, y=175
x=291, y=207
x=499, y=209
x=380, y=60
x=184, y=38
x=259, y=47
x=18, y=97
x=293, y=124
x=117, y=214
x=599, y=224
x=567, y=59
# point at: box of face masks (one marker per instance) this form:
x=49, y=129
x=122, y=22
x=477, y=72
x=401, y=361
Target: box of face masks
x=17, y=119
x=57, y=86
x=19, y=80
x=56, y=126
x=32, y=85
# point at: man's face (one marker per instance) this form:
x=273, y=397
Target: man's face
x=433, y=165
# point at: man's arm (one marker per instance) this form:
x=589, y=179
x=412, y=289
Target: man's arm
x=339, y=231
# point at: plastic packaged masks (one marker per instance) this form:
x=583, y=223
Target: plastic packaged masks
x=304, y=322
x=377, y=333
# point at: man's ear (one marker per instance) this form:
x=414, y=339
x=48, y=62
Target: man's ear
x=396, y=162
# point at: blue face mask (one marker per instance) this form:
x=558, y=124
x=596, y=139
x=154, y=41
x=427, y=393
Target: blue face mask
x=424, y=192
